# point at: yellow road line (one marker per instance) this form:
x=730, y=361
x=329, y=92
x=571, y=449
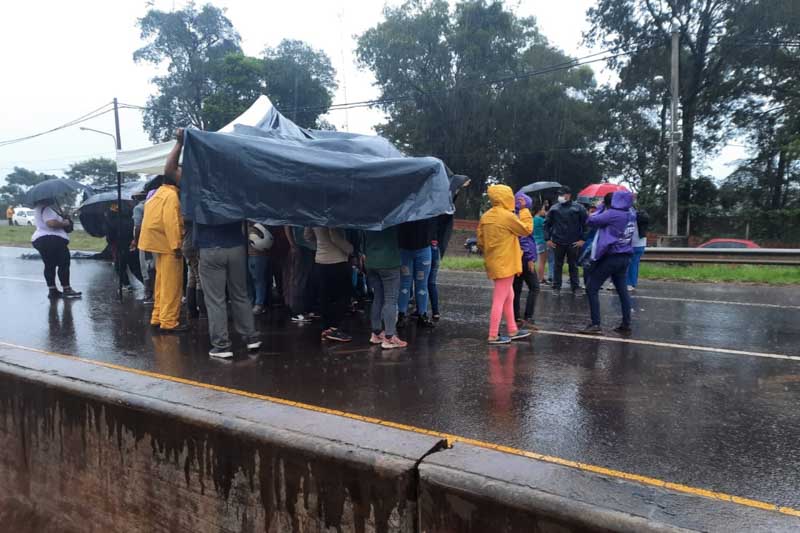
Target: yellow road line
x=451, y=439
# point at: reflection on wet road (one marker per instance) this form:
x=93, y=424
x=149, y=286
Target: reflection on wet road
x=721, y=421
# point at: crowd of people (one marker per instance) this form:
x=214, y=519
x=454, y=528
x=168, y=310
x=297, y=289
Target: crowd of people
x=324, y=273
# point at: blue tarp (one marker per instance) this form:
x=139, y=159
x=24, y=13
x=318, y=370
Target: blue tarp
x=281, y=174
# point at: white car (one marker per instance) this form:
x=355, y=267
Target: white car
x=23, y=217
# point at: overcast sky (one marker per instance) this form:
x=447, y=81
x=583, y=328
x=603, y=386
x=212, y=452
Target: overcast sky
x=61, y=60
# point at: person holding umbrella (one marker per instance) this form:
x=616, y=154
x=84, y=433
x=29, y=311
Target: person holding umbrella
x=51, y=238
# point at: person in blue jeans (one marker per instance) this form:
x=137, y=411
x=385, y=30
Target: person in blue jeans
x=382, y=260
x=433, y=288
x=639, y=244
x=611, y=254
x=415, y=252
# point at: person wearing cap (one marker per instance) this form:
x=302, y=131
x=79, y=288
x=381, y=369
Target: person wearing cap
x=564, y=230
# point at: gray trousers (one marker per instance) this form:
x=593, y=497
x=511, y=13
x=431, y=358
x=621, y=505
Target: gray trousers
x=385, y=284
x=221, y=268
x=147, y=262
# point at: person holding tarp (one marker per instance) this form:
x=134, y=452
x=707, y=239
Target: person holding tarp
x=382, y=258
x=162, y=235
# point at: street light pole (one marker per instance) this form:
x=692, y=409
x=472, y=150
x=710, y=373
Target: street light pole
x=119, y=200
x=672, y=187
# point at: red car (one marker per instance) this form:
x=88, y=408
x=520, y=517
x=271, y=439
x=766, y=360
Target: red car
x=729, y=243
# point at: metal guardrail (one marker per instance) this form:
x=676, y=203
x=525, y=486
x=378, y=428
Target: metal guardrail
x=742, y=256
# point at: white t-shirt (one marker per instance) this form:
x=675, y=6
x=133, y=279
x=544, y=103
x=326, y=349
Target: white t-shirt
x=638, y=241
x=41, y=215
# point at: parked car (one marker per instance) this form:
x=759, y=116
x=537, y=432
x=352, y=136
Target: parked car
x=23, y=217
x=471, y=246
x=729, y=243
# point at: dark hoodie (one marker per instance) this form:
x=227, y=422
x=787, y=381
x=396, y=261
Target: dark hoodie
x=615, y=226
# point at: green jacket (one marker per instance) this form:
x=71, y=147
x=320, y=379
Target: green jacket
x=382, y=249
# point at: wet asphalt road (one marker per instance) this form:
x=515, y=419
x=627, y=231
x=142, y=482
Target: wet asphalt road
x=728, y=422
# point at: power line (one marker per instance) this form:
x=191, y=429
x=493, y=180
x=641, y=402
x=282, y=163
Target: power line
x=83, y=118
x=566, y=65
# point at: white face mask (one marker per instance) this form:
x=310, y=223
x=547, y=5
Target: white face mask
x=562, y=199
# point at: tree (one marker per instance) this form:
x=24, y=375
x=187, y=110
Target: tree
x=450, y=86
x=98, y=172
x=300, y=81
x=642, y=27
x=190, y=40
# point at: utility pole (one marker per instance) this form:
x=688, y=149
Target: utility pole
x=672, y=194
x=119, y=202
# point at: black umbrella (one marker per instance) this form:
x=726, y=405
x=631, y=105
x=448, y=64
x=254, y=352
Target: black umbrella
x=540, y=186
x=51, y=189
x=103, y=200
x=93, y=210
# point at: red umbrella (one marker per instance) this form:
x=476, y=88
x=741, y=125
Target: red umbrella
x=599, y=190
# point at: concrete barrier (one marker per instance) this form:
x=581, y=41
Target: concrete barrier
x=89, y=448
x=86, y=448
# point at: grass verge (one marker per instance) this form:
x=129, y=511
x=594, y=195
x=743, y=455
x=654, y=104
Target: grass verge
x=21, y=236
x=771, y=275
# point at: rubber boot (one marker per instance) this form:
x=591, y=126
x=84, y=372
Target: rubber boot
x=191, y=302
x=201, y=304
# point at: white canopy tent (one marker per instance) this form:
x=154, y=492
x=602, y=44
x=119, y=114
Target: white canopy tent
x=151, y=159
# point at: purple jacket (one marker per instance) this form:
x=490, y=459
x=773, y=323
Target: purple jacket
x=615, y=226
x=528, y=244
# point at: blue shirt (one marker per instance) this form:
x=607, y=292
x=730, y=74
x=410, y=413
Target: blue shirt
x=222, y=236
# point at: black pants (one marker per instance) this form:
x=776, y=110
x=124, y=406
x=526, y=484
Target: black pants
x=55, y=255
x=571, y=253
x=335, y=283
x=532, y=281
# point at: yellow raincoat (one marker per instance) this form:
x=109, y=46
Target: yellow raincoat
x=499, y=231
x=162, y=226
x=162, y=234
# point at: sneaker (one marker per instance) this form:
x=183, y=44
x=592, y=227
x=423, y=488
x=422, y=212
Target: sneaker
x=148, y=300
x=326, y=332
x=544, y=282
x=301, y=319
x=592, y=329
x=54, y=293
x=180, y=328
x=221, y=353
x=501, y=339
x=436, y=317
x=631, y=288
x=70, y=293
x=521, y=334
x=254, y=343
x=338, y=336
x=377, y=338
x=259, y=309
x=623, y=329
x=424, y=322
x=390, y=343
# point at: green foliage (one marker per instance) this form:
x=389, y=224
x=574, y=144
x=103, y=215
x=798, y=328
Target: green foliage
x=98, y=172
x=446, y=80
x=300, y=81
x=772, y=275
x=190, y=41
x=19, y=181
x=210, y=81
x=21, y=236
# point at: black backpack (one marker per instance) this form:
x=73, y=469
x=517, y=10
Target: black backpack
x=642, y=222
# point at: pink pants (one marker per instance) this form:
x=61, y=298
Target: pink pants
x=502, y=304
